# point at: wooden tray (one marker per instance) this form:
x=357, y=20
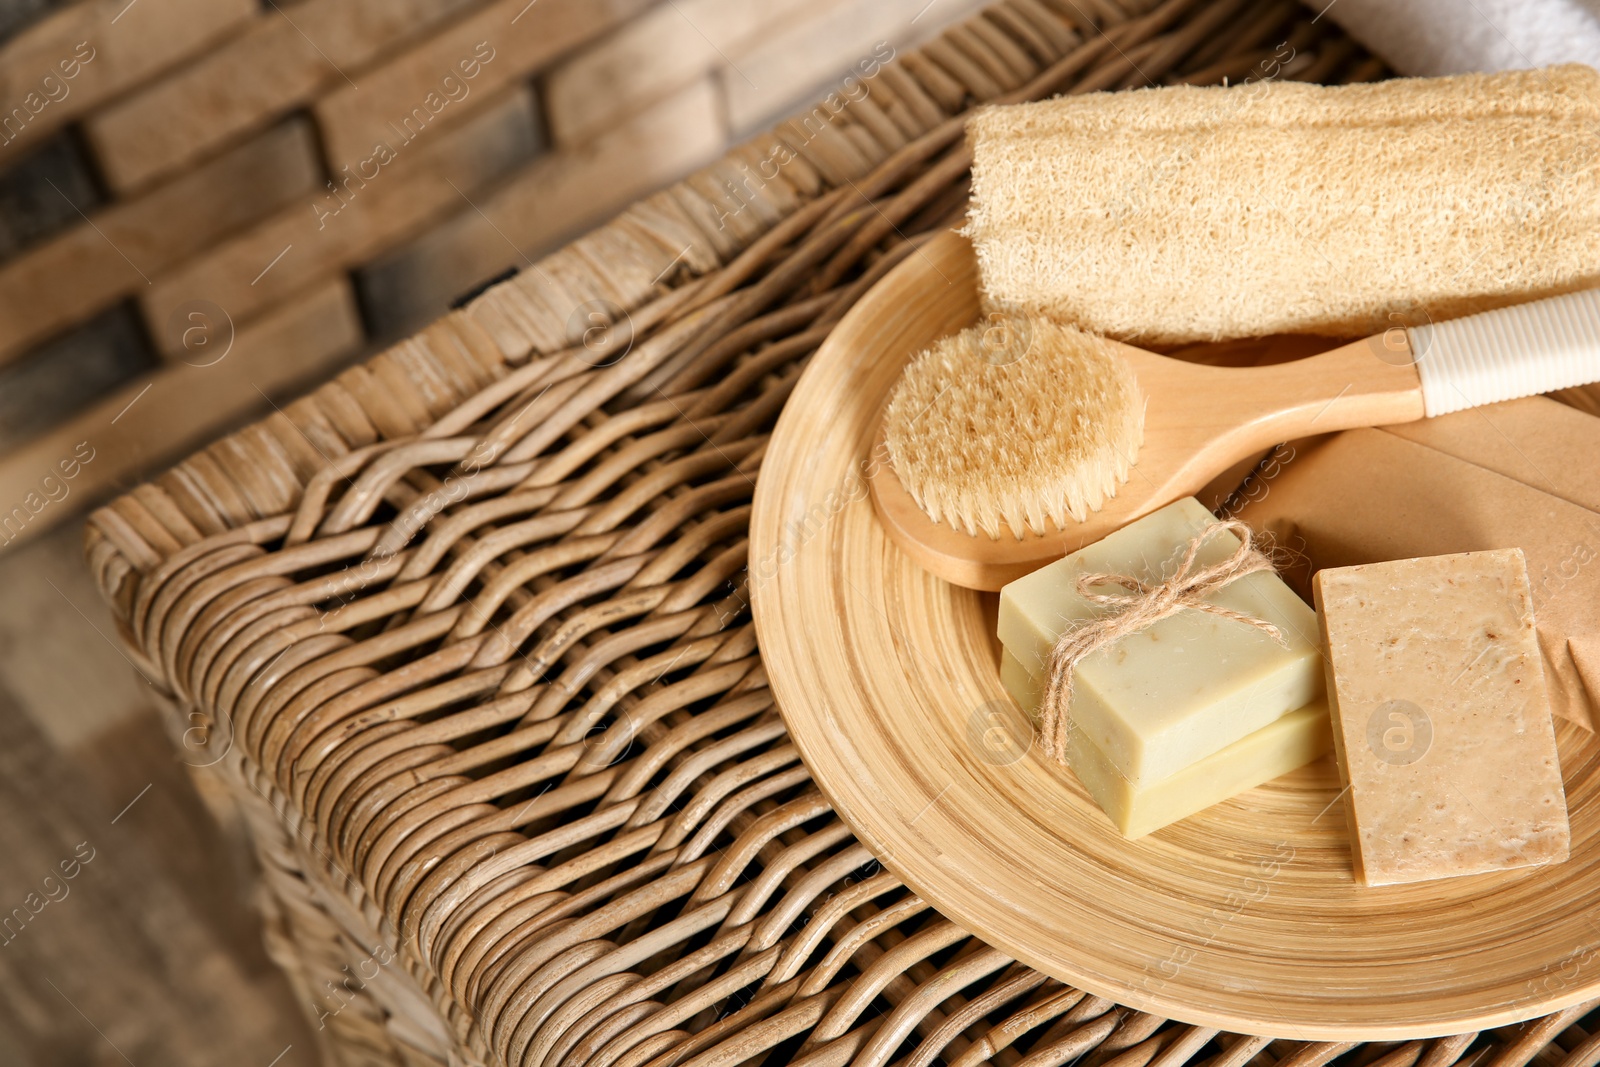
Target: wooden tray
x=1244, y=917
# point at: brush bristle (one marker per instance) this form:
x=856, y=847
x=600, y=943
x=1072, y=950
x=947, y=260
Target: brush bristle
x=1018, y=423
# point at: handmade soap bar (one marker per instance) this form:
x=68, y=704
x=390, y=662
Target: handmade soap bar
x=1162, y=698
x=1441, y=724
x=1276, y=749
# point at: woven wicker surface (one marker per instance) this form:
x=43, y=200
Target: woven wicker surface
x=467, y=630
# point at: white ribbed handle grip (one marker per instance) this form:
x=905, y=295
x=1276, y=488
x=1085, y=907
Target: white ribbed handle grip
x=1514, y=351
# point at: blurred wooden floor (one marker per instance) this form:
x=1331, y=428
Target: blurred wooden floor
x=150, y=954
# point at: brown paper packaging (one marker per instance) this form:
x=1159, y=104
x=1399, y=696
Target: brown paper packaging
x=1523, y=474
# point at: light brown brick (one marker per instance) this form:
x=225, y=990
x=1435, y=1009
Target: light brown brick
x=524, y=35
x=773, y=76
x=425, y=181
x=90, y=266
x=289, y=56
x=127, y=44
x=554, y=198
x=660, y=51
x=155, y=419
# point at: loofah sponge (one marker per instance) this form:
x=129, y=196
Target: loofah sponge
x=1173, y=215
x=1016, y=423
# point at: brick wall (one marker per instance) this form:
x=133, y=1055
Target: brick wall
x=208, y=205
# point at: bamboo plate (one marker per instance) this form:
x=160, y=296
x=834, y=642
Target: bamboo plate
x=1244, y=917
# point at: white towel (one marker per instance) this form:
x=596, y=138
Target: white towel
x=1432, y=37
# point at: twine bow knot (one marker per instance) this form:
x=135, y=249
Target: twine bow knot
x=1143, y=605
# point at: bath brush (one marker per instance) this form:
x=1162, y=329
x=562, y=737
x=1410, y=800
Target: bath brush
x=1017, y=440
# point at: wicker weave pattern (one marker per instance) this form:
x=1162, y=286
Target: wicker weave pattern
x=468, y=631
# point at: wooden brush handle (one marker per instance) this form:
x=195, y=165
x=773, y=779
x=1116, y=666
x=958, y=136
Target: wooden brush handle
x=1365, y=383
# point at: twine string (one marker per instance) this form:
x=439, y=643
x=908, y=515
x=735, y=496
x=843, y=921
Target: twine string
x=1143, y=604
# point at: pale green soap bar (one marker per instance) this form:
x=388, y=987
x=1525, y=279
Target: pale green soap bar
x=1190, y=685
x=1292, y=741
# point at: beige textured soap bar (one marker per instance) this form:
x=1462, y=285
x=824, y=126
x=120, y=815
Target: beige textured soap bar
x=1441, y=722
